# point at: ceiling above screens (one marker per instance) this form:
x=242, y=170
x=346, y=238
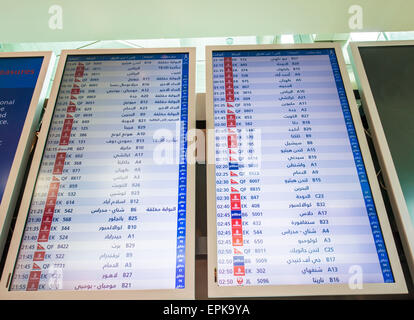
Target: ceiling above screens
x=201, y=43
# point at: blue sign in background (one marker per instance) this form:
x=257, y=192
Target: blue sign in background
x=18, y=77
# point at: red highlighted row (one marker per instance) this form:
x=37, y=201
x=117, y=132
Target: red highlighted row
x=66, y=130
x=48, y=212
x=59, y=163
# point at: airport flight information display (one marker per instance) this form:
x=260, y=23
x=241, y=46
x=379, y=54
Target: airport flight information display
x=293, y=201
x=108, y=210
x=18, y=78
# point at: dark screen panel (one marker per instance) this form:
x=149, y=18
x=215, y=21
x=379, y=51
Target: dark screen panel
x=390, y=72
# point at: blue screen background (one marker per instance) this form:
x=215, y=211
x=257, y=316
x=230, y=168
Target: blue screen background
x=16, y=91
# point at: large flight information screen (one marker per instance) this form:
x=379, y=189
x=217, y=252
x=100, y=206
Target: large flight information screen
x=18, y=78
x=293, y=201
x=108, y=211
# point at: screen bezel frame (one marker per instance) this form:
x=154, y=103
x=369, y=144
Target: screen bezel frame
x=398, y=287
x=389, y=172
x=188, y=292
x=21, y=157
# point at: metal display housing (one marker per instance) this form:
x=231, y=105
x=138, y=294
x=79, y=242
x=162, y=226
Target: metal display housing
x=389, y=172
x=214, y=290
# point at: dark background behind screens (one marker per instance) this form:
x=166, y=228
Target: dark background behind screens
x=390, y=72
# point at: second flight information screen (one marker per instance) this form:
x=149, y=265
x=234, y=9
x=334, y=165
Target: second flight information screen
x=109, y=207
x=293, y=201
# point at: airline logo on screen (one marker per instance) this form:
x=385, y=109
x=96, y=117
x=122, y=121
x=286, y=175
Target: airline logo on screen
x=16, y=72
